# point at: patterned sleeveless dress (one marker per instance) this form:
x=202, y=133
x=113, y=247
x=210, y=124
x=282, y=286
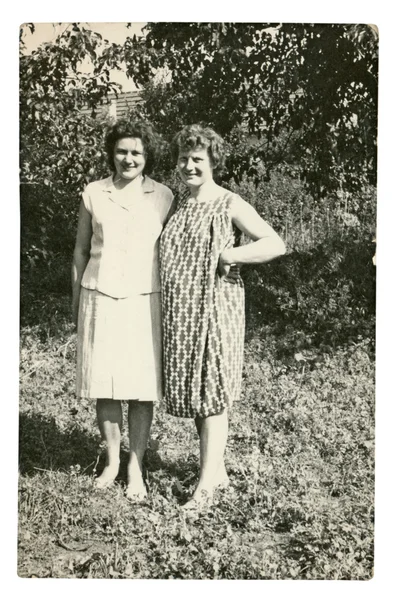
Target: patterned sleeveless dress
x=203, y=314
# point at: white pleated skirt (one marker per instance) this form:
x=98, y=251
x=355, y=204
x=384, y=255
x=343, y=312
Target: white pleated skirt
x=119, y=347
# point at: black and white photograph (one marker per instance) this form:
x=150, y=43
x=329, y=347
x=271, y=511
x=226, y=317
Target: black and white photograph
x=198, y=210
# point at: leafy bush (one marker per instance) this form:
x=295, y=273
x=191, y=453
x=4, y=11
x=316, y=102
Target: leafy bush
x=323, y=297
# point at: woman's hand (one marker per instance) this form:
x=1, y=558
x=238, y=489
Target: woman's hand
x=230, y=272
x=224, y=266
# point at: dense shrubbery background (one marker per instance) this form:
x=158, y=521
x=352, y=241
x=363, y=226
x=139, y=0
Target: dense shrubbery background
x=301, y=148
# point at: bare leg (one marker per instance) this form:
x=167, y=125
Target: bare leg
x=140, y=416
x=109, y=414
x=221, y=477
x=213, y=437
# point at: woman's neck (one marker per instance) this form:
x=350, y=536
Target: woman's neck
x=203, y=191
x=121, y=184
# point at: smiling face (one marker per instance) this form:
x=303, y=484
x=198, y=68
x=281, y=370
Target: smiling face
x=195, y=167
x=129, y=158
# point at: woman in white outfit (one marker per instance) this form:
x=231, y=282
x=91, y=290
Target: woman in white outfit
x=116, y=296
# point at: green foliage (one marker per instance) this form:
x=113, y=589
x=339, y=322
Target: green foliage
x=60, y=142
x=323, y=297
x=303, y=94
x=306, y=93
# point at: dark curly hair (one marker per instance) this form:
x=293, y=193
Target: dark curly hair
x=199, y=136
x=133, y=129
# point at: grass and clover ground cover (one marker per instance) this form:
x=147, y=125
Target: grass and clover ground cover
x=300, y=453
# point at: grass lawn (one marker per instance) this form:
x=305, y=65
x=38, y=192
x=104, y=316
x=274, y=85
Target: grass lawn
x=300, y=458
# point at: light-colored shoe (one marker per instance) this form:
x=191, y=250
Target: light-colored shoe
x=199, y=501
x=223, y=483
x=107, y=477
x=103, y=483
x=135, y=496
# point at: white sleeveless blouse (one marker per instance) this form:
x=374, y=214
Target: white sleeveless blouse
x=124, y=258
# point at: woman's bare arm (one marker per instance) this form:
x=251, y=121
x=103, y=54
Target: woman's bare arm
x=266, y=246
x=80, y=256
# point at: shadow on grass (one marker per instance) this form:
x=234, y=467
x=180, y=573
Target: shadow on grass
x=50, y=309
x=42, y=445
x=180, y=469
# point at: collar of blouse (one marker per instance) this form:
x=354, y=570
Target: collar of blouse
x=126, y=200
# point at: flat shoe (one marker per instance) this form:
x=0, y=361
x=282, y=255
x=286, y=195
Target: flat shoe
x=103, y=485
x=223, y=484
x=199, y=501
x=136, y=497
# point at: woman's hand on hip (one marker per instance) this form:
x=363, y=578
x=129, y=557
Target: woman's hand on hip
x=230, y=272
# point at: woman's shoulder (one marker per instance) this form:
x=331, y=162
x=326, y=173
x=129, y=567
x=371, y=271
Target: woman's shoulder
x=228, y=194
x=98, y=185
x=93, y=190
x=158, y=186
x=160, y=190
x=229, y=198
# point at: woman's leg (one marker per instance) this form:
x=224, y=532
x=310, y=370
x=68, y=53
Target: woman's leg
x=140, y=416
x=213, y=438
x=109, y=414
x=221, y=476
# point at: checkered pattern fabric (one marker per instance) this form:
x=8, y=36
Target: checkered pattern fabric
x=203, y=314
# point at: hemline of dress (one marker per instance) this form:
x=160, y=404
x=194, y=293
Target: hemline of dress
x=87, y=396
x=197, y=414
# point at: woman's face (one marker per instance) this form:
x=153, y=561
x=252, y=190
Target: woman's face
x=195, y=167
x=129, y=157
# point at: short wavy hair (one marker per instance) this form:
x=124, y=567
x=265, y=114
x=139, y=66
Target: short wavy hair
x=199, y=136
x=133, y=129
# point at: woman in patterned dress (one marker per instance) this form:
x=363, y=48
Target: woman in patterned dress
x=116, y=296
x=202, y=305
